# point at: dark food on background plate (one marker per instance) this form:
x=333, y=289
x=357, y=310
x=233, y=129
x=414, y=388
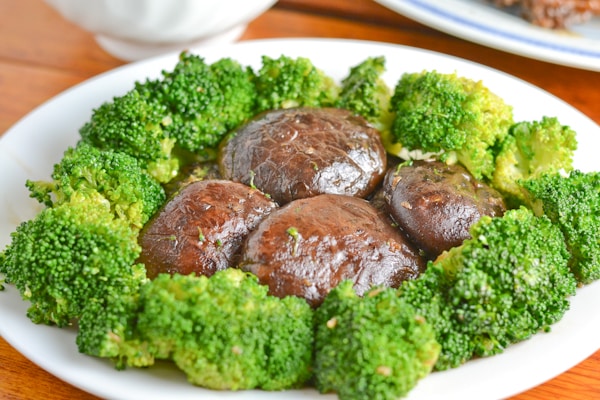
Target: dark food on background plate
x=555, y=14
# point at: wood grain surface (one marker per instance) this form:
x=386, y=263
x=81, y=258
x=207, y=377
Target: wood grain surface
x=41, y=55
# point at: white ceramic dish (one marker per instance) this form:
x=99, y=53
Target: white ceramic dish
x=34, y=144
x=480, y=22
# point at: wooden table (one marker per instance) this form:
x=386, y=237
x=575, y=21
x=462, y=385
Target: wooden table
x=41, y=55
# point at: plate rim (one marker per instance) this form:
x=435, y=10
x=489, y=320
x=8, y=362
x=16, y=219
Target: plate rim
x=517, y=36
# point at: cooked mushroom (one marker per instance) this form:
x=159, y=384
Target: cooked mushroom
x=301, y=152
x=201, y=229
x=310, y=245
x=436, y=204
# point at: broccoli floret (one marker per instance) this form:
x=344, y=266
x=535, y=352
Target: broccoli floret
x=68, y=256
x=365, y=92
x=371, y=347
x=107, y=329
x=287, y=82
x=224, y=332
x=137, y=126
x=510, y=281
x=572, y=202
x=530, y=150
x=428, y=294
x=459, y=118
x=204, y=100
x=104, y=177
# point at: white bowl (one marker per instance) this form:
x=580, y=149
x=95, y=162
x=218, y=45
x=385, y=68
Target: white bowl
x=136, y=29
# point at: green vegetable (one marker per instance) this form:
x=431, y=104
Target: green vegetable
x=287, y=82
x=572, y=202
x=69, y=256
x=107, y=329
x=376, y=347
x=137, y=126
x=459, y=118
x=224, y=332
x=105, y=178
x=365, y=92
x=530, y=150
x=204, y=101
x=510, y=281
x=182, y=115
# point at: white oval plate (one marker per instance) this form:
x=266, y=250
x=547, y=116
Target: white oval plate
x=31, y=147
x=478, y=21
